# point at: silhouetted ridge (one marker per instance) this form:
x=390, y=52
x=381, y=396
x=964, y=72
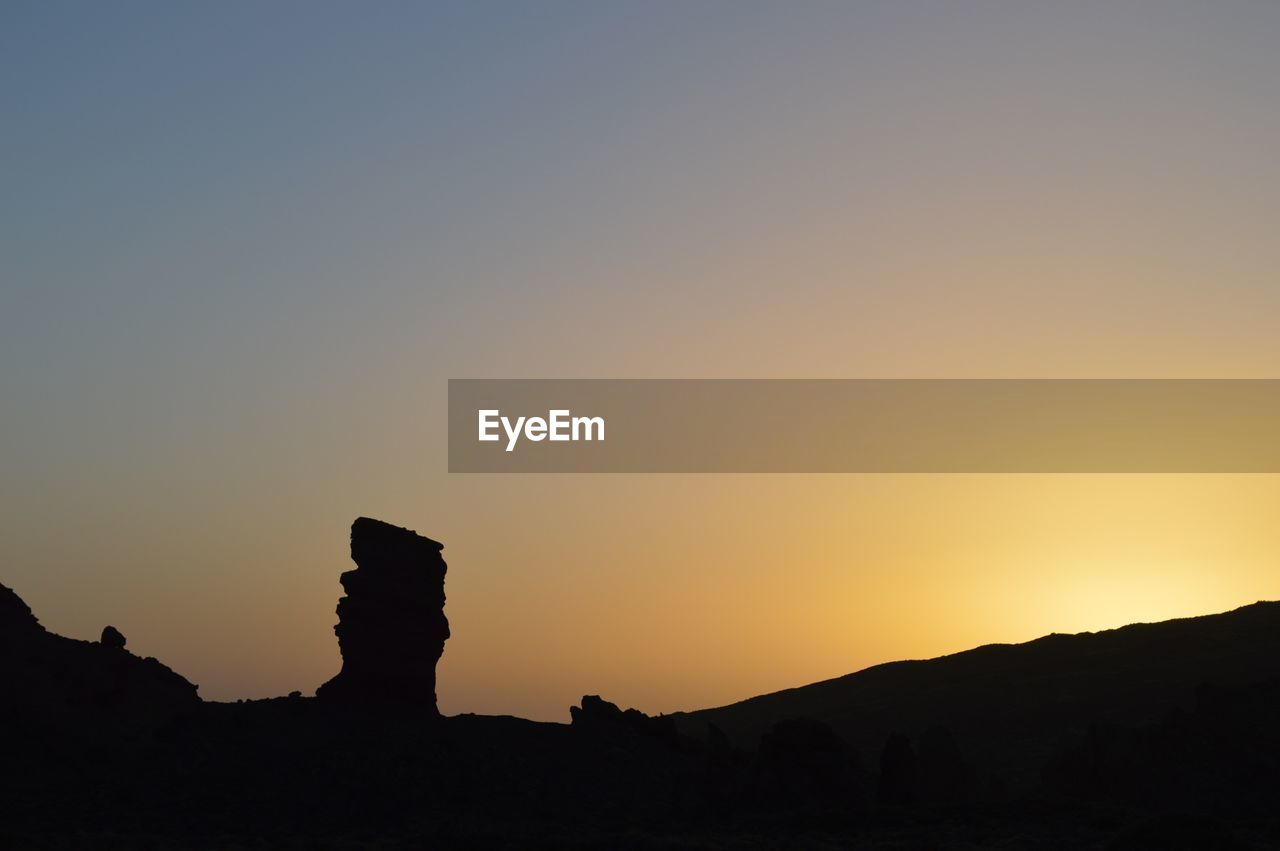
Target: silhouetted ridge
x=48, y=681
x=1009, y=706
x=391, y=624
x=15, y=615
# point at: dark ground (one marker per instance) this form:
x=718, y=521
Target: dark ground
x=1165, y=736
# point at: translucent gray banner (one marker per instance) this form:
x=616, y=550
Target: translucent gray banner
x=864, y=426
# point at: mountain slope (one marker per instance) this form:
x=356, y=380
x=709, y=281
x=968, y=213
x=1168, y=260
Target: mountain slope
x=1010, y=707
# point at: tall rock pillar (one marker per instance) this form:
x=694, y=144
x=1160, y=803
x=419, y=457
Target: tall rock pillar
x=391, y=625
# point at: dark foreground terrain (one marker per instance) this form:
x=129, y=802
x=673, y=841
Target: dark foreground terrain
x=1153, y=736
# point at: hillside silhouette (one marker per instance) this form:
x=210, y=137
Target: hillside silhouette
x=1011, y=706
x=1149, y=736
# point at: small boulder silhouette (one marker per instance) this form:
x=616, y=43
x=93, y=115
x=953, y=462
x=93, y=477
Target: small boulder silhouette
x=391, y=624
x=112, y=637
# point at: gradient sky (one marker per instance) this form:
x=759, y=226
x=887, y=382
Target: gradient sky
x=243, y=246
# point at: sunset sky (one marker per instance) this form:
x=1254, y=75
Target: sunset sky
x=243, y=246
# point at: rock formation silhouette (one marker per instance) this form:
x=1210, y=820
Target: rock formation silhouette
x=391, y=625
x=599, y=715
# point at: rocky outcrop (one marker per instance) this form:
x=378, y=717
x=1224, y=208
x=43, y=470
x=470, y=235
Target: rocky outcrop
x=596, y=713
x=391, y=624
